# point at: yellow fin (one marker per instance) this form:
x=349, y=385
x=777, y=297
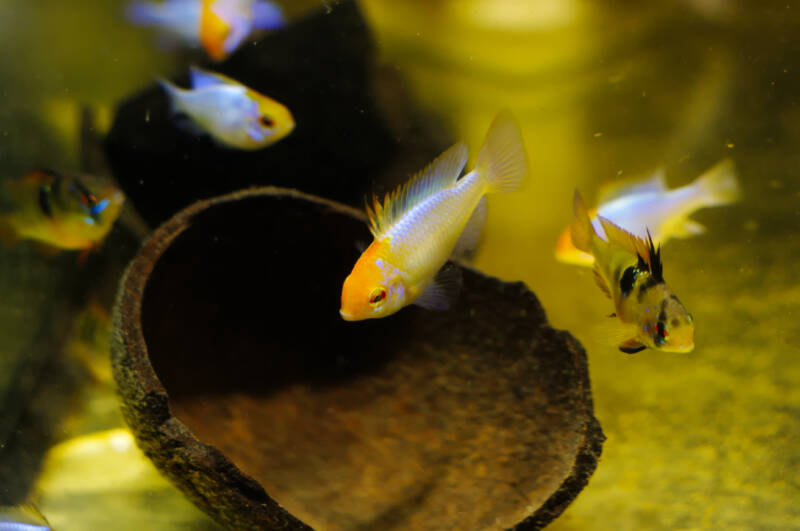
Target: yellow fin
x=601, y=283
x=581, y=229
x=718, y=185
x=616, y=235
x=440, y=174
x=502, y=160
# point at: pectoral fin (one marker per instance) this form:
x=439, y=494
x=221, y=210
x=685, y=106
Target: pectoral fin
x=631, y=346
x=442, y=292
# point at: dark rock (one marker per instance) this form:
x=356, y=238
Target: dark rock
x=320, y=68
x=245, y=387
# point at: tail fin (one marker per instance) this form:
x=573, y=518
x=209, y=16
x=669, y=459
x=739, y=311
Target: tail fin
x=267, y=15
x=502, y=158
x=718, y=185
x=581, y=227
x=173, y=95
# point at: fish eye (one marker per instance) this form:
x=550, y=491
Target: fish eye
x=266, y=121
x=377, y=295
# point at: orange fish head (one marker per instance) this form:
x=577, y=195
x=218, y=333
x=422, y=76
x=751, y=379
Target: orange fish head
x=373, y=289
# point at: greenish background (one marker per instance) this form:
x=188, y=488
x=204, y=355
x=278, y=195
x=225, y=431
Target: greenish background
x=603, y=89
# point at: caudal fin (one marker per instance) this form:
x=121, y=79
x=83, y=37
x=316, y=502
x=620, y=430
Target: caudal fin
x=173, y=95
x=581, y=228
x=718, y=185
x=502, y=159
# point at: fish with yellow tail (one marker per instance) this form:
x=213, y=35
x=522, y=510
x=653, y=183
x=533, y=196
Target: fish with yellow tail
x=63, y=213
x=648, y=203
x=431, y=218
x=220, y=26
x=232, y=114
x=629, y=271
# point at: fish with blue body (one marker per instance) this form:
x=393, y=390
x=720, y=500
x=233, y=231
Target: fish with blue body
x=231, y=113
x=629, y=270
x=433, y=217
x=648, y=204
x=220, y=26
x=64, y=213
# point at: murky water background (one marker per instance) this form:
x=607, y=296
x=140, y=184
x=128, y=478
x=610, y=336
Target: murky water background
x=602, y=90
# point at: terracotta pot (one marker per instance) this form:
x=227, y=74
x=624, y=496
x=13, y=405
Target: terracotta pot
x=245, y=387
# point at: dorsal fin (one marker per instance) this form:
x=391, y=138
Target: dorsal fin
x=645, y=250
x=616, y=189
x=200, y=78
x=616, y=235
x=438, y=175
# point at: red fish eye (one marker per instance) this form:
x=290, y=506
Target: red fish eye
x=377, y=296
x=266, y=121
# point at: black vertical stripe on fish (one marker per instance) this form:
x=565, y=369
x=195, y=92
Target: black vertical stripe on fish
x=646, y=285
x=662, y=314
x=628, y=279
x=55, y=187
x=44, y=201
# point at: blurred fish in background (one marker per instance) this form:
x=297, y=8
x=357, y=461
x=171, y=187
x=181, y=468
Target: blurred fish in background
x=234, y=115
x=60, y=212
x=647, y=205
x=220, y=26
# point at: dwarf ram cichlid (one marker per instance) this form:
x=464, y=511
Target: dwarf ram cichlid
x=629, y=271
x=432, y=217
x=220, y=26
x=70, y=213
x=636, y=205
x=231, y=113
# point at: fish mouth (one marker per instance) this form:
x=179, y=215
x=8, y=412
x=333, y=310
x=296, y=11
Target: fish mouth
x=346, y=316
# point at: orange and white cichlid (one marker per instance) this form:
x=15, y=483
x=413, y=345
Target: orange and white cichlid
x=636, y=205
x=220, y=26
x=431, y=218
x=231, y=113
x=629, y=271
x=65, y=213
